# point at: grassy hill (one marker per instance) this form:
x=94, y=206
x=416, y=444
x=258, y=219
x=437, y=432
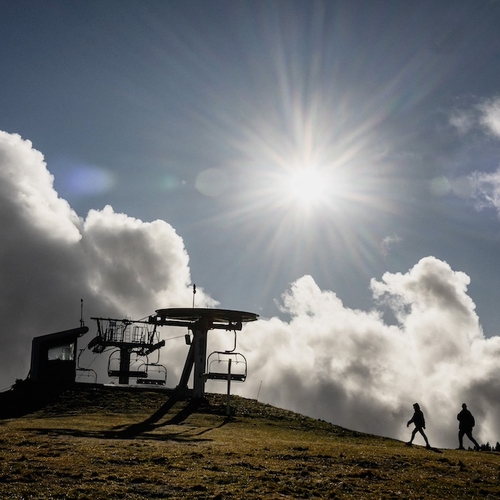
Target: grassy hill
x=106, y=443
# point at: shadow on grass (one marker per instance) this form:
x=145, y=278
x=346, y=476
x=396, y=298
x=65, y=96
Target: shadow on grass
x=171, y=413
x=181, y=437
x=153, y=422
x=146, y=428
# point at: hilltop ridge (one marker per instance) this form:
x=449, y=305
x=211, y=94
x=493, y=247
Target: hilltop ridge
x=101, y=442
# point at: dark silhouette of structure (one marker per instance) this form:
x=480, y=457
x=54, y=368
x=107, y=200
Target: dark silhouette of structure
x=199, y=321
x=53, y=357
x=466, y=424
x=133, y=342
x=419, y=420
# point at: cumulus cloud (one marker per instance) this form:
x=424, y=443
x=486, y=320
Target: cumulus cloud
x=350, y=367
x=50, y=258
x=326, y=360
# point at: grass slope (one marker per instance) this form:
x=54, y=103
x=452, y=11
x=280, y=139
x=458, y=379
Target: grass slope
x=100, y=443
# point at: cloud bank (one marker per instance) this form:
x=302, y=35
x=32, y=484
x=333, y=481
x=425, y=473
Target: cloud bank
x=421, y=342
x=50, y=259
x=352, y=368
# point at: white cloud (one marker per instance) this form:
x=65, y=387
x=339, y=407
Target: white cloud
x=27, y=194
x=388, y=242
x=486, y=189
x=50, y=258
x=349, y=367
x=329, y=361
x=490, y=115
x=135, y=264
x=463, y=121
x=483, y=187
x=485, y=115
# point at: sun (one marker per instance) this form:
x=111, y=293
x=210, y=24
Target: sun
x=305, y=186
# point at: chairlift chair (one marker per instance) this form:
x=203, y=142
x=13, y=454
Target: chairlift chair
x=114, y=359
x=156, y=374
x=218, y=363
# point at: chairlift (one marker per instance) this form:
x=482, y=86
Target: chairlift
x=114, y=369
x=156, y=374
x=226, y=365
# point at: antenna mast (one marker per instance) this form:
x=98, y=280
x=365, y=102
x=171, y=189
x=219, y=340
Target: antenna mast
x=82, y=322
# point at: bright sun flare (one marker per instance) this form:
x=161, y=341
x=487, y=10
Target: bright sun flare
x=306, y=186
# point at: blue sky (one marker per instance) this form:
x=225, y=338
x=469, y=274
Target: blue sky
x=130, y=101
x=198, y=113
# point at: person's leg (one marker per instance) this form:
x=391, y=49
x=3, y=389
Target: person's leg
x=461, y=439
x=425, y=437
x=412, y=436
x=469, y=435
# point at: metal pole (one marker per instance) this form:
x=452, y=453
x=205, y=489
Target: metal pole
x=188, y=367
x=200, y=360
x=228, y=400
x=124, y=366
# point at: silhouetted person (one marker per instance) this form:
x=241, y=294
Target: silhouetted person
x=465, y=426
x=419, y=421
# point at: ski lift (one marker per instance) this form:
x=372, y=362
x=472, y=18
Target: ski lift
x=115, y=368
x=199, y=321
x=156, y=374
x=227, y=365
x=224, y=365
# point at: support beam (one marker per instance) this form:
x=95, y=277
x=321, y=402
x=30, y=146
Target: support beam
x=124, y=366
x=200, y=356
x=188, y=367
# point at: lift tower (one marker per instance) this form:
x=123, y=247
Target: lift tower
x=128, y=337
x=199, y=321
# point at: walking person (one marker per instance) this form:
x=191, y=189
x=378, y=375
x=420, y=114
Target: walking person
x=465, y=426
x=419, y=420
